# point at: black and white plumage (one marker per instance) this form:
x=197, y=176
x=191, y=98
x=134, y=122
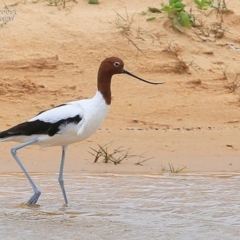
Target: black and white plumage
x=63, y=125
x=67, y=123
x=40, y=127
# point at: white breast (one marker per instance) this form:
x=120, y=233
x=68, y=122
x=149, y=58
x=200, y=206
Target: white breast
x=93, y=112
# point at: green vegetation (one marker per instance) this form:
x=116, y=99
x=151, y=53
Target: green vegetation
x=203, y=4
x=206, y=4
x=182, y=16
x=154, y=10
x=151, y=19
x=93, y=1
x=177, y=14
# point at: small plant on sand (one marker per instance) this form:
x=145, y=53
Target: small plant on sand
x=221, y=6
x=115, y=156
x=57, y=3
x=203, y=4
x=93, y=1
x=214, y=30
x=60, y=3
x=177, y=14
x=154, y=10
x=151, y=10
x=125, y=24
x=171, y=169
x=141, y=160
x=180, y=66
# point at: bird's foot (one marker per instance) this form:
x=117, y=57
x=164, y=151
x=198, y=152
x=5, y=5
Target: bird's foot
x=34, y=198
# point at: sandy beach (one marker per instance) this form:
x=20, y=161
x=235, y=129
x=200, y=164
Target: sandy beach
x=51, y=55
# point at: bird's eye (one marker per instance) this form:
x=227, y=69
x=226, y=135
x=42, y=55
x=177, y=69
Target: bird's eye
x=116, y=64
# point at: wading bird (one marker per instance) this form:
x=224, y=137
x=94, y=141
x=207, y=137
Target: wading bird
x=67, y=123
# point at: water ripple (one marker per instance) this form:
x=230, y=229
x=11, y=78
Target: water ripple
x=190, y=206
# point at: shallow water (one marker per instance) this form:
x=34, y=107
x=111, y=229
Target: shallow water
x=193, y=206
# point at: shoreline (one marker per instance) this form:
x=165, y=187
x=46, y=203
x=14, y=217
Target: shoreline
x=198, y=151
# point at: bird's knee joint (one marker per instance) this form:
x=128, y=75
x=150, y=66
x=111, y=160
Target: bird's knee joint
x=13, y=150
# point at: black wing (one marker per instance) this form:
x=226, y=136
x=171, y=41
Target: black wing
x=38, y=127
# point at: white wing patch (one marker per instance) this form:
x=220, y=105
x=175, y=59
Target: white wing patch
x=56, y=114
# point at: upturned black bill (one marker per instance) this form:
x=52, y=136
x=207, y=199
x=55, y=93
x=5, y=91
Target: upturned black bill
x=130, y=74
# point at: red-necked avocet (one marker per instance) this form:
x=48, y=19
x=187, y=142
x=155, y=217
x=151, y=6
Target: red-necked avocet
x=67, y=123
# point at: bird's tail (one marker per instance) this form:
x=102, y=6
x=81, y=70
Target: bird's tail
x=11, y=132
x=4, y=136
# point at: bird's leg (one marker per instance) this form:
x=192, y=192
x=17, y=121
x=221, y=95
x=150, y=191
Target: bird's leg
x=60, y=176
x=37, y=193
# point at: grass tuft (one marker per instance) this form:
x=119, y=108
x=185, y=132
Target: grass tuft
x=116, y=156
x=125, y=24
x=172, y=169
